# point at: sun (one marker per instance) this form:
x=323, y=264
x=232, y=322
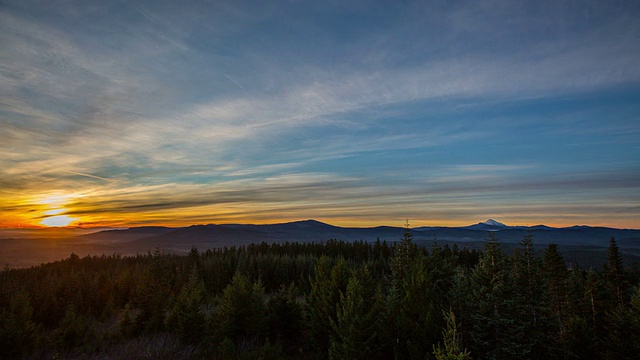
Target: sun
x=58, y=221
x=53, y=207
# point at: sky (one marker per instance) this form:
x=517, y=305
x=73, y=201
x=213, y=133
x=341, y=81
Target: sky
x=355, y=113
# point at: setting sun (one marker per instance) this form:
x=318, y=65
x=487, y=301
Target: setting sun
x=60, y=220
x=53, y=209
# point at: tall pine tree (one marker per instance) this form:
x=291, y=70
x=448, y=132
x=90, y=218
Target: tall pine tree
x=357, y=319
x=328, y=282
x=404, y=252
x=540, y=329
x=240, y=315
x=187, y=318
x=497, y=315
x=555, y=275
x=453, y=349
x=614, y=273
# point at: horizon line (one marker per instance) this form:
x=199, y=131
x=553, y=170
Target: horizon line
x=136, y=226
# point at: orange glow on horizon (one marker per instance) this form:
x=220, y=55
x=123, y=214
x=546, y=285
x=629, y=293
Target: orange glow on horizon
x=79, y=210
x=70, y=222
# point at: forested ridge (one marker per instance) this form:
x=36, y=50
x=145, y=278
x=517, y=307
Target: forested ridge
x=337, y=300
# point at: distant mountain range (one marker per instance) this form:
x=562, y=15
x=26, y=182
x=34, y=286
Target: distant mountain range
x=311, y=230
x=582, y=242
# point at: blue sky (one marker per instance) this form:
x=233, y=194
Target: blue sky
x=354, y=113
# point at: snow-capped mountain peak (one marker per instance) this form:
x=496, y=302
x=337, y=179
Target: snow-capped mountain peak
x=489, y=225
x=492, y=222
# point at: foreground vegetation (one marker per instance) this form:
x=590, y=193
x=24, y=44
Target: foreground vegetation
x=333, y=300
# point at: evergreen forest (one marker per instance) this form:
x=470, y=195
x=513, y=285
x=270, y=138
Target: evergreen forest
x=330, y=300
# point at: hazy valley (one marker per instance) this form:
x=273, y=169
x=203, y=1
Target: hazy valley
x=581, y=244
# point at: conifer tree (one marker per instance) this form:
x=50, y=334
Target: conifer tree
x=409, y=303
x=187, y=318
x=194, y=257
x=413, y=309
x=608, y=315
x=555, y=274
x=19, y=334
x=240, y=314
x=404, y=252
x=615, y=274
x=440, y=267
x=578, y=338
x=496, y=312
x=622, y=341
x=453, y=349
x=284, y=314
x=73, y=330
x=126, y=322
x=152, y=296
x=596, y=293
x=539, y=329
x=461, y=300
x=327, y=284
x=357, y=318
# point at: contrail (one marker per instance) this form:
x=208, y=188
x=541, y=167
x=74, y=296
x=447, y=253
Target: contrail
x=146, y=16
x=88, y=175
x=235, y=82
